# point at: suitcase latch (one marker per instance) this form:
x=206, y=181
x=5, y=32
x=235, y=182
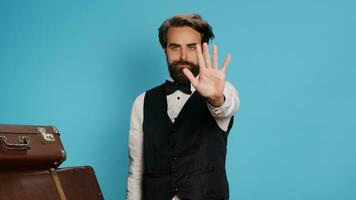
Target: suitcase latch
x=46, y=137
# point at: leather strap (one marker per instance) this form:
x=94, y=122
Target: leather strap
x=58, y=184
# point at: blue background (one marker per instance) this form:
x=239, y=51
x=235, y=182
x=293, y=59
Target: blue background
x=80, y=64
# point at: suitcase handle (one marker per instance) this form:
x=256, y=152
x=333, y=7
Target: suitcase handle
x=24, y=143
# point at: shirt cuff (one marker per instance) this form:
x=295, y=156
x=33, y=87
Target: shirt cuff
x=219, y=111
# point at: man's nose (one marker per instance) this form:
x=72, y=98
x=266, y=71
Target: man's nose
x=183, y=54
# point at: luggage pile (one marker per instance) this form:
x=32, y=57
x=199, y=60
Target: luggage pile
x=29, y=161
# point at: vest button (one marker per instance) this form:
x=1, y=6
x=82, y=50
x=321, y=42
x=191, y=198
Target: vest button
x=175, y=174
x=176, y=189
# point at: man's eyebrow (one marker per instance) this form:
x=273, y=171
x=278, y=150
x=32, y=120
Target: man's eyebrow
x=191, y=44
x=174, y=45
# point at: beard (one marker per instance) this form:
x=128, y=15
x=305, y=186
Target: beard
x=176, y=71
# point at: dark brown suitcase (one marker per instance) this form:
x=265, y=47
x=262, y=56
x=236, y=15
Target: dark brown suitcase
x=30, y=147
x=72, y=183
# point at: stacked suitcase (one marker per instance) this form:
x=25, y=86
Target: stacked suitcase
x=29, y=161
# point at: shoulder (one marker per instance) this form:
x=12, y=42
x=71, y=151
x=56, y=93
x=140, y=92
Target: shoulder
x=137, y=105
x=155, y=89
x=154, y=92
x=140, y=98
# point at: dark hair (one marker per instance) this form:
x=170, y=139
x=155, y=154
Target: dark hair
x=193, y=21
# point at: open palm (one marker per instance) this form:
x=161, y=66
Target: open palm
x=211, y=81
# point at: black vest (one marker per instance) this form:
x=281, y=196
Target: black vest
x=184, y=158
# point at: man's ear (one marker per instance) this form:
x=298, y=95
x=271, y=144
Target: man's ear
x=165, y=50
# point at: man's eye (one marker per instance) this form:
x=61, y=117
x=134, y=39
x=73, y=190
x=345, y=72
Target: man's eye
x=174, y=48
x=192, y=48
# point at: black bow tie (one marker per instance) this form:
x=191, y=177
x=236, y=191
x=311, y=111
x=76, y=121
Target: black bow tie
x=171, y=87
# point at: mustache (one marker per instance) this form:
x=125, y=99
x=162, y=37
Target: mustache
x=182, y=62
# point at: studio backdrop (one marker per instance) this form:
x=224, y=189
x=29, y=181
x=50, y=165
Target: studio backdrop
x=79, y=65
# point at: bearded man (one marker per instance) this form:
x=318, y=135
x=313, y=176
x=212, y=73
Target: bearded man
x=179, y=129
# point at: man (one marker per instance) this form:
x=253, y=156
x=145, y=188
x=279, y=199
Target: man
x=178, y=130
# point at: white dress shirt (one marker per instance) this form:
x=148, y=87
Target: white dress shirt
x=175, y=103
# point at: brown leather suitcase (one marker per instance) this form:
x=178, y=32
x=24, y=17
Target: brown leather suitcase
x=30, y=147
x=72, y=183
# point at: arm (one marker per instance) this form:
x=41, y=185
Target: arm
x=134, y=180
x=211, y=80
x=222, y=97
x=223, y=113
x=230, y=105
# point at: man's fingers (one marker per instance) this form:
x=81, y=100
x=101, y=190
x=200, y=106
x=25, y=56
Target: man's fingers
x=201, y=61
x=215, y=57
x=190, y=76
x=226, y=63
x=206, y=55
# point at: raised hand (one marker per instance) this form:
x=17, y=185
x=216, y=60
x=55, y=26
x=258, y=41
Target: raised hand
x=211, y=81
